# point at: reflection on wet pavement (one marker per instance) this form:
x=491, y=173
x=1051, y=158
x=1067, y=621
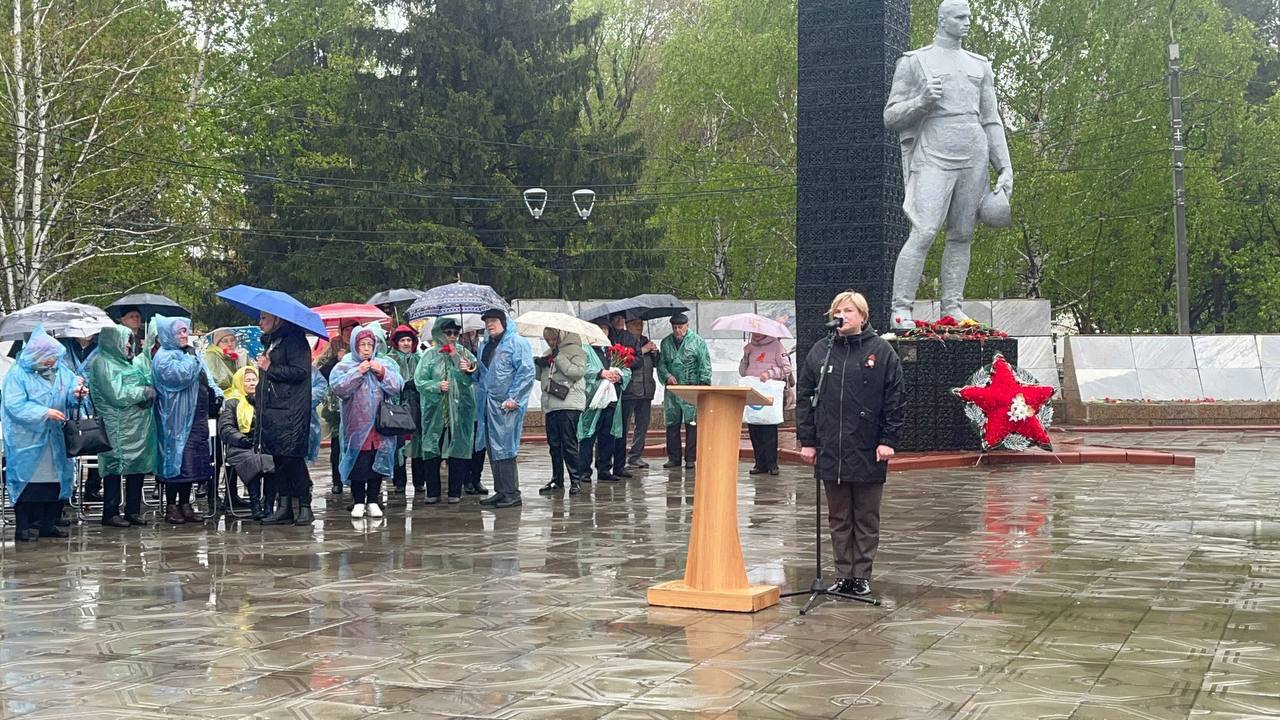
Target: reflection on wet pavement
x=1021, y=591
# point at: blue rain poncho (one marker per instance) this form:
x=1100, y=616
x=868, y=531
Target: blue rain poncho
x=81, y=367
x=360, y=396
x=177, y=381
x=34, y=447
x=508, y=376
x=319, y=389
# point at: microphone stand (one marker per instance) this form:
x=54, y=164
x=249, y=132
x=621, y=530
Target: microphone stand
x=818, y=588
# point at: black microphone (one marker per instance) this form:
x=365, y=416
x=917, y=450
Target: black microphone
x=836, y=323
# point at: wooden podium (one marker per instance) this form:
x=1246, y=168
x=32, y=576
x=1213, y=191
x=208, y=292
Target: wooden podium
x=715, y=576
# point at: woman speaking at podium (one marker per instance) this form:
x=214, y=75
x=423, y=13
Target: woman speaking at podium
x=848, y=416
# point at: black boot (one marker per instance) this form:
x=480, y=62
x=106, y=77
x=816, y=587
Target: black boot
x=305, y=516
x=575, y=487
x=255, y=503
x=283, y=514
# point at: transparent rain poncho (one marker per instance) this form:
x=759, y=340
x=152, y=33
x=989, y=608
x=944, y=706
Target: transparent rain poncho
x=34, y=447
x=360, y=396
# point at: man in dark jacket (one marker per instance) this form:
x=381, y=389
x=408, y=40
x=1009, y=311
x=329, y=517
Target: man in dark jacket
x=284, y=402
x=637, y=400
x=851, y=433
x=618, y=335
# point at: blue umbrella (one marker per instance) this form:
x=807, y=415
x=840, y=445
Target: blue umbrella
x=254, y=301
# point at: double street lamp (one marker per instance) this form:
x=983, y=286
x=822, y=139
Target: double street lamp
x=584, y=201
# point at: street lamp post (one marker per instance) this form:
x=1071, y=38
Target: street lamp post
x=584, y=201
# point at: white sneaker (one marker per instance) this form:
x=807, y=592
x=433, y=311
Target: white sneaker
x=374, y=510
x=358, y=511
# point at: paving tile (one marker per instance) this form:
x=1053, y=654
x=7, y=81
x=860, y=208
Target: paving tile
x=1065, y=590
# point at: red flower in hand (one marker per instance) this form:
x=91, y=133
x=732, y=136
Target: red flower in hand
x=621, y=356
x=447, y=349
x=760, y=357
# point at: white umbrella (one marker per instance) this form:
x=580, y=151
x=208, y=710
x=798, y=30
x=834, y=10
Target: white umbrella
x=470, y=322
x=532, y=323
x=60, y=319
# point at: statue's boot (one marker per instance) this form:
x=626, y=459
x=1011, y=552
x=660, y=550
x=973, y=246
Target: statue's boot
x=954, y=273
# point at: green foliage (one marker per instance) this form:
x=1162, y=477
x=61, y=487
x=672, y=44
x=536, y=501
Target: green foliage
x=722, y=128
x=1084, y=92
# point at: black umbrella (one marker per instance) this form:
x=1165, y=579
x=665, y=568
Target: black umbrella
x=652, y=306
x=605, y=309
x=148, y=304
x=391, y=297
x=641, y=307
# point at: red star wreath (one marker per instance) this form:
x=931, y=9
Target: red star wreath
x=1010, y=408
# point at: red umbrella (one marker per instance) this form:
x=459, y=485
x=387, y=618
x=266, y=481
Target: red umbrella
x=334, y=313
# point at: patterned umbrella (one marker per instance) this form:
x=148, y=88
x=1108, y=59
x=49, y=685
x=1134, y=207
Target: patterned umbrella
x=457, y=298
x=60, y=319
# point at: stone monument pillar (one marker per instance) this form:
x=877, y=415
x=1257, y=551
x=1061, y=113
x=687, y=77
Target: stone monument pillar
x=849, y=220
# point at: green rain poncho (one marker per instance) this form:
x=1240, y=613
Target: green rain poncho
x=590, y=417
x=451, y=415
x=690, y=364
x=121, y=398
x=220, y=365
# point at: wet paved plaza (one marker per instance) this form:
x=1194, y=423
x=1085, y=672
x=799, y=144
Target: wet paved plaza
x=1085, y=592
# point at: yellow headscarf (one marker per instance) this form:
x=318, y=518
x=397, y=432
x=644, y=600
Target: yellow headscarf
x=244, y=408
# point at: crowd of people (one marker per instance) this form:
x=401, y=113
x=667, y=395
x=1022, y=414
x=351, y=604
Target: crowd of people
x=467, y=394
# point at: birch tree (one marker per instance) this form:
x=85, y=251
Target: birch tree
x=102, y=169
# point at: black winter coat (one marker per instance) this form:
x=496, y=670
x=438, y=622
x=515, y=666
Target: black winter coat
x=860, y=407
x=644, y=382
x=236, y=446
x=283, y=400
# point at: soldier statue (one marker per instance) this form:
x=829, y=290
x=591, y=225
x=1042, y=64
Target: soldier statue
x=943, y=106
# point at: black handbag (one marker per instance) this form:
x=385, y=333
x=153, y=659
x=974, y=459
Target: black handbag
x=84, y=435
x=557, y=390
x=394, y=419
x=255, y=466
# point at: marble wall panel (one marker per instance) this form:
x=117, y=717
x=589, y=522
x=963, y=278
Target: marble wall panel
x=1271, y=383
x=979, y=310
x=1163, y=352
x=568, y=307
x=1046, y=376
x=709, y=310
x=1035, y=352
x=1226, y=351
x=725, y=351
x=658, y=329
x=1101, y=352
x=925, y=310
x=1021, y=318
x=784, y=311
x=1269, y=350
x=1170, y=384
x=1118, y=384
x=1232, y=383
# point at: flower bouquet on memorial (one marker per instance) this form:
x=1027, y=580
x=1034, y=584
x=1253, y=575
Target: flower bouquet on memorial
x=948, y=328
x=621, y=356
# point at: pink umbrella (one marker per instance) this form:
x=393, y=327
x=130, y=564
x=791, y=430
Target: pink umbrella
x=334, y=313
x=752, y=323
